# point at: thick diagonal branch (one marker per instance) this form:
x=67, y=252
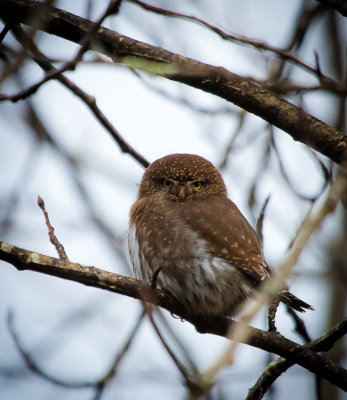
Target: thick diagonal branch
x=216, y=80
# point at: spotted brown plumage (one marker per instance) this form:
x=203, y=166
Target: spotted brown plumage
x=183, y=223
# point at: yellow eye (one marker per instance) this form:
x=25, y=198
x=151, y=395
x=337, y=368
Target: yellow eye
x=167, y=184
x=197, y=185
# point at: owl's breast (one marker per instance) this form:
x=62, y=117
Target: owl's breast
x=159, y=236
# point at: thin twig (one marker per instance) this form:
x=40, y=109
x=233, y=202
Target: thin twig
x=325, y=171
x=257, y=177
x=300, y=327
x=304, y=21
x=5, y=31
x=52, y=237
x=235, y=134
x=42, y=133
x=183, y=101
x=192, y=379
x=285, y=55
x=101, y=385
x=34, y=367
x=10, y=204
x=184, y=372
x=71, y=65
x=312, y=223
x=179, y=343
x=44, y=63
x=260, y=220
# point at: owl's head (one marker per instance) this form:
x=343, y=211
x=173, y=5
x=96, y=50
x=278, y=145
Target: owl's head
x=182, y=176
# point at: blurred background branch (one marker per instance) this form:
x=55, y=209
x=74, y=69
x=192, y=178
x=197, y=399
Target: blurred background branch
x=53, y=145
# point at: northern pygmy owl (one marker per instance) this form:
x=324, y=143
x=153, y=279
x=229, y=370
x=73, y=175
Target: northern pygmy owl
x=209, y=256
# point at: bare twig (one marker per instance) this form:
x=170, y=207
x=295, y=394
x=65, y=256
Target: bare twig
x=179, y=343
x=260, y=220
x=34, y=367
x=38, y=21
x=99, y=384
x=44, y=63
x=42, y=133
x=5, y=31
x=300, y=327
x=323, y=168
x=285, y=55
x=54, y=240
x=191, y=378
x=184, y=101
x=312, y=222
x=304, y=21
x=70, y=65
x=230, y=146
x=257, y=178
x=274, y=303
x=184, y=372
x=10, y=203
x=102, y=383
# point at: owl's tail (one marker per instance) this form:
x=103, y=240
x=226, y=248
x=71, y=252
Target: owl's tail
x=293, y=302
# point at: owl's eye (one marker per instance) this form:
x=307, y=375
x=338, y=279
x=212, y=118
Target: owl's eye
x=197, y=185
x=167, y=184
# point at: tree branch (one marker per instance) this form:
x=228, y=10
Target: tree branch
x=90, y=101
x=91, y=276
x=99, y=384
x=284, y=54
x=279, y=366
x=300, y=125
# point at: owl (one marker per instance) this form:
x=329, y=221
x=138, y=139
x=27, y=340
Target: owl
x=184, y=226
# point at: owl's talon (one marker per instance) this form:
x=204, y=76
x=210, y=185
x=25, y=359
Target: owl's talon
x=272, y=328
x=155, y=278
x=177, y=317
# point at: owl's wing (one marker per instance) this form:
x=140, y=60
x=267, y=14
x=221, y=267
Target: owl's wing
x=227, y=233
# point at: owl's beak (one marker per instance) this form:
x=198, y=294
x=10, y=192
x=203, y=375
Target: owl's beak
x=181, y=193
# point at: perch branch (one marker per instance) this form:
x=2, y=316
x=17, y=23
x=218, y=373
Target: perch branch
x=91, y=276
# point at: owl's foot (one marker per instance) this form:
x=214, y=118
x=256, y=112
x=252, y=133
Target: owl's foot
x=271, y=315
x=154, y=279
